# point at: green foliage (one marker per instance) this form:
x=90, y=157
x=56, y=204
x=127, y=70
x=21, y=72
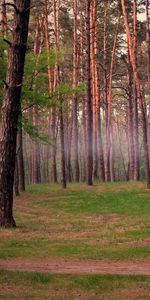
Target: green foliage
x=33, y=132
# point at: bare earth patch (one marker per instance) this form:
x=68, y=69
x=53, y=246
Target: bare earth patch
x=61, y=266
x=138, y=293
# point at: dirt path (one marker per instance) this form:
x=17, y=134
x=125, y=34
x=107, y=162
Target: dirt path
x=62, y=266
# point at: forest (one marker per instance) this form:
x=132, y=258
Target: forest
x=75, y=124
x=83, y=103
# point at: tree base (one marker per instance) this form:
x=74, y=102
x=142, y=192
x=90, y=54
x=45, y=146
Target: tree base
x=8, y=223
x=148, y=185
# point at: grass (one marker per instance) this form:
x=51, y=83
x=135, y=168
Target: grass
x=20, y=285
x=104, y=222
x=107, y=221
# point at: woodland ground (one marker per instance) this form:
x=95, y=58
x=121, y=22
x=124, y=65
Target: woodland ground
x=107, y=224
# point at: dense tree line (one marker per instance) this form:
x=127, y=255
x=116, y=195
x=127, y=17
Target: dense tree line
x=82, y=112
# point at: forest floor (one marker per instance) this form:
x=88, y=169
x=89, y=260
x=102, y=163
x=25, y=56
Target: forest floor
x=65, y=238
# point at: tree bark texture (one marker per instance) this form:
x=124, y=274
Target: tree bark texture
x=89, y=157
x=75, y=99
x=11, y=110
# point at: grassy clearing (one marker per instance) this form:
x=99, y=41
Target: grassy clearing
x=20, y=285
x=107, y=221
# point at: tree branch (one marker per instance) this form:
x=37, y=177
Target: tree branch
x=6, y=84
x=12, y=5
x=8, y=42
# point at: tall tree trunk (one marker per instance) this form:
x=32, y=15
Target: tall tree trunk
x=139, y=93
x=89, y=157
x=84, y=123
x=135, y=99
x=46, y=23
x=84, y=171
x=148, y=65
x=20, y=158
x=52, y=85
x=93, y=86
x=11, y=110
x=130, y=119
x=68, y=147
x=107, y=151
x=121, y=150
x=75, y=99
x=110, y=124
x=100, y=151
x=36, y=156
x=56, y=7
x=53, y=108
x=36, y=153
x=62, y=142
x=136, y=135
x=16, y=178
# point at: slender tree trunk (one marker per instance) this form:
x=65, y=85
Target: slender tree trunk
x=56, y=7
x=148, y=40
x=16, y=179
x=100, y=150
x=148, y=66
x=93, y=86
x=11, y=110
x=20, y=159
x=69, y=141
x=82, y=74
x=51, y=87
x=89, y=158
x=121, y=150
x=110, y=124
x=107, y=146
x=36, y=156
x=46, y=23
x=136, y=136
x=53, y=109
x=135, y=96
x=130, y=120
x=75, y=98
x=62, y=142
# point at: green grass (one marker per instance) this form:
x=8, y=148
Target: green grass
x=21, y=285
x=106, y=221
x=126, y=199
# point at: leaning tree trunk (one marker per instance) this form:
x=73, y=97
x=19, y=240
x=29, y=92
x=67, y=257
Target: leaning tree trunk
x=11, y=109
